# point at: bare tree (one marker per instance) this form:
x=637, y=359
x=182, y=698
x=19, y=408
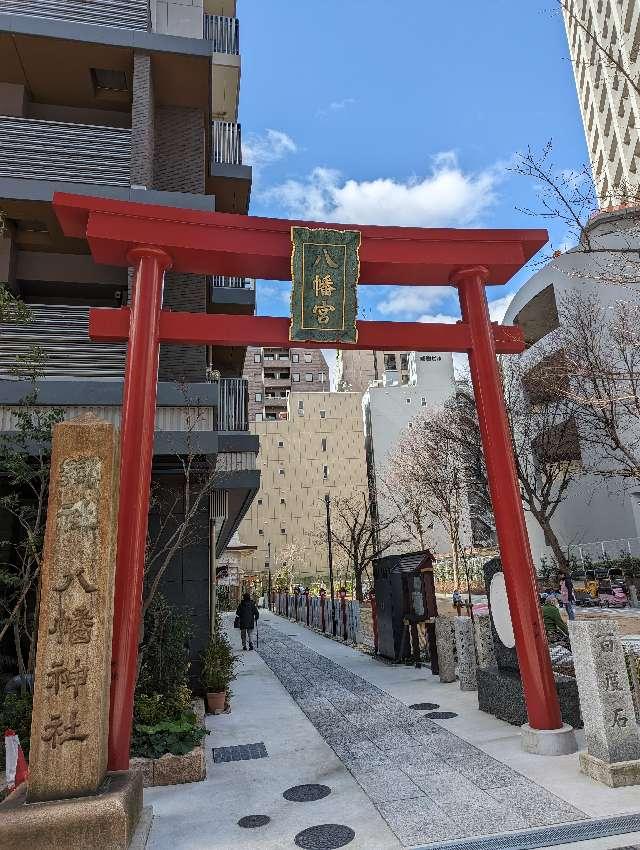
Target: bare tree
x=428, y=458
x=546, y=443
x=358, y=538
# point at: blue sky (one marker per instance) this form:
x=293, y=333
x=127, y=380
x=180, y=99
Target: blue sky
x=408, y=113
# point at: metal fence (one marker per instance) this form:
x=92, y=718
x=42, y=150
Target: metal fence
x=224, y=32
x=602, y=550
x=233, y=405
x=53, y=150
x=218, y=280
x=123, y=14
x=226, y=142
x=317, y=612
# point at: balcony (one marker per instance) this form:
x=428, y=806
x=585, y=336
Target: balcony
x=233, y=405
x=229, y=180
x=231, y=295
x=62, y=335
x=76, y=153
x=223, y=32
x=122, y=14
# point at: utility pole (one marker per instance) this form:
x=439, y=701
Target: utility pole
x=269, y=580
x=213, y=581
x=333, y=608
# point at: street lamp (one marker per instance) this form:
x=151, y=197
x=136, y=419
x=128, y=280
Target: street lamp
x=268, y=566
x=333, y=607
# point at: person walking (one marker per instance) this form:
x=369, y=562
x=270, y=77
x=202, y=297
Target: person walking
x=569, y=597
x=457, y=600
x=246, y=616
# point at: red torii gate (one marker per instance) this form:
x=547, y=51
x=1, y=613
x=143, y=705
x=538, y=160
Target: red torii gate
x=154, y=239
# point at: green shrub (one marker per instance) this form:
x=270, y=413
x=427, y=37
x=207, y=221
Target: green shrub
x=218, y=663
x=166, y=736
x=164, y=664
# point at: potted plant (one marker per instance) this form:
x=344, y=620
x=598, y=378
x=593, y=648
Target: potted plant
x=217, y=671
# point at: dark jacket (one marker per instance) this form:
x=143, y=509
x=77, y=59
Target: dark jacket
x=247, y=613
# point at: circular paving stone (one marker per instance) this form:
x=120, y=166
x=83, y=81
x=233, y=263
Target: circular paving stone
x=440, y=715
x=424, y=706
x=327, y=836
x=252, y=821
x=306, y=794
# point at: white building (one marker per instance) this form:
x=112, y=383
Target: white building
x=609, y=102
x=599, y=515
x=389, y=406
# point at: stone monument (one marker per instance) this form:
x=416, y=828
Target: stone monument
x=446, y=643
x=613, y=738
x=499, y=684
x=633, y=596
x=484, y=641
x=466, y=649
x=69, y=800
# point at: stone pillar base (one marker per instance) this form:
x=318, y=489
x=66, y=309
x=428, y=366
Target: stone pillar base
x=549, y=742
x=616, y=775
x=104, y=821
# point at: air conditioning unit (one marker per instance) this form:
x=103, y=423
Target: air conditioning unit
x=282, y=414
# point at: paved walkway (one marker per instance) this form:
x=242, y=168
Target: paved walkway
x=334, y=716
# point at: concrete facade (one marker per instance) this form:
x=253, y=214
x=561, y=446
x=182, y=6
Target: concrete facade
x=319, y=449
x=388, y=409
x=596, y=513
x=609, y=101
x=357, y=370
x=274, y=373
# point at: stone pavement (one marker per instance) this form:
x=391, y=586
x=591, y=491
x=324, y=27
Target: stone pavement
x=427, y=783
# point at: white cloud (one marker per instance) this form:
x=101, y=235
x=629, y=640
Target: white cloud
x=445, y=197
x=262, y=150
x=336, y=106
x=499, y=306
x=407, y=300
x=446, y=318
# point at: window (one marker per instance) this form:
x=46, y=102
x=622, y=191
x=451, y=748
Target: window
x=307, y=358
x=280, y=444
x=295, y=377
x=257, y=358
x=323, y=414
x=258, y=417
x=281, y=471
x=282, y=502
x=283, y=531
x=408, y=400
x=259, y=501
x=390, y=362
x=404, y=361
x=300, y=407
x=321, y=377
x=325, y=472
x=308, y=376
x=269, y=357
x=324, y=444
x=405, y=379
x=258, y=396
x=295, y=358
x=106, y=81
x=260, y=531
x=424, y=401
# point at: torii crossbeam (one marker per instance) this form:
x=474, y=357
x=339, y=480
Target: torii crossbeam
x=154, y=239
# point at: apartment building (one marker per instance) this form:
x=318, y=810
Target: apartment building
x=597, y=516
x=357, y=370
x=273, y=373
x=317, y=450
x=604, y=41
x=138, y=101
x=388, y=408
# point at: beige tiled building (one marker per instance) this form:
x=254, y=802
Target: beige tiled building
x=319, y=449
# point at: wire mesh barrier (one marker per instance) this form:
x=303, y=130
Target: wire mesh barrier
x=341, y=617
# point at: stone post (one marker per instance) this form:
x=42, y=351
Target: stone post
x=69, y=727
x=611, y=731
x=633, y=596
x=484, y=641
x=446, y=643
x=465, y=646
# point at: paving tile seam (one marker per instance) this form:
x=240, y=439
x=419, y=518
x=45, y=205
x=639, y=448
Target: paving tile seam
x=330, y=688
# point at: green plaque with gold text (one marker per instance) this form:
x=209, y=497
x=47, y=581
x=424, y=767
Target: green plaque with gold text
x=325, y=267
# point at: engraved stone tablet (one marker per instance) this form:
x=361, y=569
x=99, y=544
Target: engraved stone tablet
x=69, y=725
x=466, y=649
x=446, y=643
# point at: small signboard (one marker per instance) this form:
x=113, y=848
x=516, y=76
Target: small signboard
x=325, y=267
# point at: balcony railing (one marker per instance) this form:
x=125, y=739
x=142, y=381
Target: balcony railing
x=226, y=142
x=51, y=150
x=233, y=405
x=61, y=333
x=217, y=280
x=224, y=32
x=123, y=14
